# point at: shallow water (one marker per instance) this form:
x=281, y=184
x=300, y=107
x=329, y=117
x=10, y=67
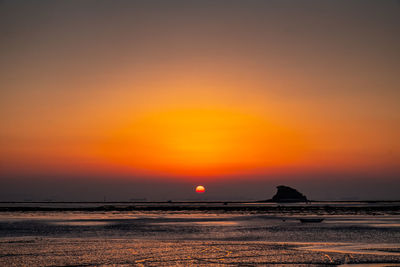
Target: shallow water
x=195, y=238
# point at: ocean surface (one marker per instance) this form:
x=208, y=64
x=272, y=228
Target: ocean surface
x=220, y=234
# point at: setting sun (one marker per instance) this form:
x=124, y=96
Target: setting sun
x=198, y=92
x=200, y=189
x=155, y=132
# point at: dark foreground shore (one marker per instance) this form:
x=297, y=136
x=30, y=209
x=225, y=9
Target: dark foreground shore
x=370, y=208
x=199, y=233
x=125, y=252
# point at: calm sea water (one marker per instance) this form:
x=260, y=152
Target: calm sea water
x=218, y=237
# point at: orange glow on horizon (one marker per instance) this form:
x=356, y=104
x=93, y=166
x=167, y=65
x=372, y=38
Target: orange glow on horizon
x=199, y=93
x=202, y=142
x=210, y=142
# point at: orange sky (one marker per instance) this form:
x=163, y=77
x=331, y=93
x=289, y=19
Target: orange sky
x=200, y=90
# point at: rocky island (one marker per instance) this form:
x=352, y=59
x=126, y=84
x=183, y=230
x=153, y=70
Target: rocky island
x=287, y=194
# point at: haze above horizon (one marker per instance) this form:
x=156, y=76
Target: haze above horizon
x=149, y=98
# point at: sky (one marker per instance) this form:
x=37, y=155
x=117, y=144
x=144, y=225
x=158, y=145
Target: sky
x=147, y=99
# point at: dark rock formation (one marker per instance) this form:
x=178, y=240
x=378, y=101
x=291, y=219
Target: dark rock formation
x=288, y=194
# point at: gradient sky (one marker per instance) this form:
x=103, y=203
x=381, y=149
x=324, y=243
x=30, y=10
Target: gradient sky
x=138, y=99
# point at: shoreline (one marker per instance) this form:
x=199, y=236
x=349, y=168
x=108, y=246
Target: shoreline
x=315, y=208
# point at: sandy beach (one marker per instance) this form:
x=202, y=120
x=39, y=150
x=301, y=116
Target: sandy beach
x=199, y=237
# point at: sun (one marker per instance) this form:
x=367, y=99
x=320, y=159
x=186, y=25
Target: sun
x=200, y=189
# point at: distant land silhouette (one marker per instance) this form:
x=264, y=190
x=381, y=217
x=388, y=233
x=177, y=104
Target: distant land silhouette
x=287, y=194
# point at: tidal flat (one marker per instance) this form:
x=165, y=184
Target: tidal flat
x=168, y=234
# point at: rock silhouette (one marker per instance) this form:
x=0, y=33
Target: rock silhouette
x=288, y=194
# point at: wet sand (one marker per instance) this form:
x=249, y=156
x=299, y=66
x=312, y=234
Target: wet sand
x=198, y=237
x=99, y=251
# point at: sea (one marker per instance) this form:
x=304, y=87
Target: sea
x=200, y=234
